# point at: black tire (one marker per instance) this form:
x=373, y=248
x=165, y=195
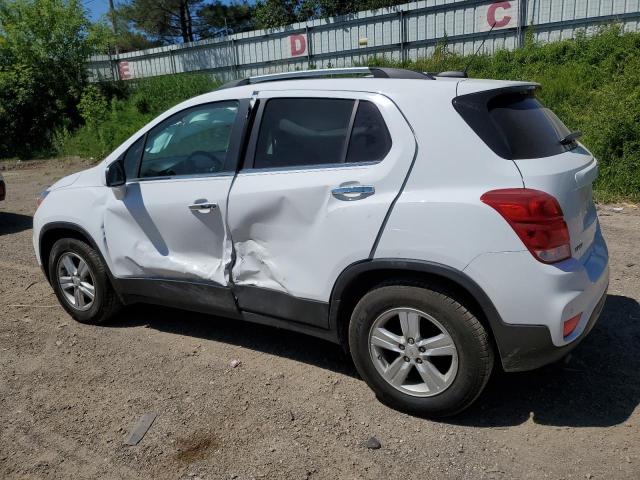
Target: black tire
x=474, y=351
x=105, y=302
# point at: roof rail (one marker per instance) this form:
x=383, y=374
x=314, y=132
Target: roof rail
x=376, y=72
x=453, y=74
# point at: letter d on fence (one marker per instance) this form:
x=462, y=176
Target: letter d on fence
x=298, y=45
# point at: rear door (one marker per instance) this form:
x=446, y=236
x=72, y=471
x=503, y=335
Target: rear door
x=319, y=177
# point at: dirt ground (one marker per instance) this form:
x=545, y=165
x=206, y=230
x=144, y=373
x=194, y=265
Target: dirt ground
x=294, y=408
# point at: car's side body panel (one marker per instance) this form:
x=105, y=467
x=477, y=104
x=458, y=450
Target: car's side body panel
x=79, y=202
x=439, y=216
x=291, y=234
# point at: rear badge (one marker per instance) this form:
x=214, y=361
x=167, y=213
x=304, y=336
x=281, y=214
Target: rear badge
x=578, y=247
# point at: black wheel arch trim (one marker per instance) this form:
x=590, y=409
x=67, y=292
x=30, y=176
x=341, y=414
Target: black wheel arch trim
x=64, y=226
x=415, y=266
x=76, y=228
x=514, y=342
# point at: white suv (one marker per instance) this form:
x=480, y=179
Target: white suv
x=430, y=224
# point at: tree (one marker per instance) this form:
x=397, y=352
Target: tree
x=168, y=21
x=44, y=45
x=332, y=8
x=163, y=20
x=217, y=18
x=276, y=13
x=122, y=37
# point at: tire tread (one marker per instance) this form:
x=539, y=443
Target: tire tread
x=110, y=302
x=448, y=299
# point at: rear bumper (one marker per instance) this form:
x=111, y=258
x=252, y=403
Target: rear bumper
x=527, y=347
x=532, y=300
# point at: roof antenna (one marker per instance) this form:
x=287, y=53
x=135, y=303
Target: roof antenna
x=473, y=57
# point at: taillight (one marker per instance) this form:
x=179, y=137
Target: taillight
x=537, y=219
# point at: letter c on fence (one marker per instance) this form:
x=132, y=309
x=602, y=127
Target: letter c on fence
x=491, y=14
x=298, y=45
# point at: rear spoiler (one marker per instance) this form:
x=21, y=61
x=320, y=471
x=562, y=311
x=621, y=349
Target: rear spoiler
x=473, y=108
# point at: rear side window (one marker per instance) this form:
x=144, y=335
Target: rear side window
x=370, y=139
x=514, y=125
x=298, y=132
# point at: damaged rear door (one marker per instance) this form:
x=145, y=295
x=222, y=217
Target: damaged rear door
x=165, y=230
x=320, y=174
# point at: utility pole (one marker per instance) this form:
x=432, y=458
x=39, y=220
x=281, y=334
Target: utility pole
x=112, y=15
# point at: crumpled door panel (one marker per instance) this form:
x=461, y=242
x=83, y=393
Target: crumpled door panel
x=151, y=232
x=292, y=235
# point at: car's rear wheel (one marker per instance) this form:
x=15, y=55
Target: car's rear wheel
x=419, y=349
x=79, y=279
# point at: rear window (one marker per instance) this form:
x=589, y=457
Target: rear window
x=516, y=126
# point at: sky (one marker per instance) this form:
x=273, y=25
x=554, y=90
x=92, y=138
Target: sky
x=96, y=8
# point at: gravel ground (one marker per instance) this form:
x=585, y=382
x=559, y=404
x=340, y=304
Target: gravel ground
x=294, y=408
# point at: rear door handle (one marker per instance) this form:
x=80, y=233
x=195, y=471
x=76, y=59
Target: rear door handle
x=349, y=193
x=202, y=207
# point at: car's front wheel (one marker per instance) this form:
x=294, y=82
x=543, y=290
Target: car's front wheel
x=419, y=349
x=79, y=279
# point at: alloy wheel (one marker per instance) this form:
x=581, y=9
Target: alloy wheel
x=413, y=352
x=76, y=281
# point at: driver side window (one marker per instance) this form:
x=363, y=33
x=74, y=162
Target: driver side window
x=192, y=142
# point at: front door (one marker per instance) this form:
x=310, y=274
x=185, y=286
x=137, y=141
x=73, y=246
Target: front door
x=168, y=223
x=318, y=179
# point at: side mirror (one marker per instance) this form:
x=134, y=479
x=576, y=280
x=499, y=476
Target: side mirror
x=115, y=176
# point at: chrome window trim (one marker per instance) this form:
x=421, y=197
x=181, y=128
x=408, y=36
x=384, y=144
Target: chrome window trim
x=298, y=168
x=190, y=176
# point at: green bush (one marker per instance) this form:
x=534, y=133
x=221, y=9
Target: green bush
x=112, y=112
x=44, y=45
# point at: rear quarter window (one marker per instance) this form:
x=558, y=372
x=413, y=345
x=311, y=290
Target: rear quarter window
x=515, y=125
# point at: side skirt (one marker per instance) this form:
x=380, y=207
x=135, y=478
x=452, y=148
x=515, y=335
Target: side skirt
x=204, y=297
x=214, y=299
x=278, y=304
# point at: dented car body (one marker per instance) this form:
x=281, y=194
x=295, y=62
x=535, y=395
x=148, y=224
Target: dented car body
x=286, y=202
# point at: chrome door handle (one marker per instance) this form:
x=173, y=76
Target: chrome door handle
x=349, y=193
x=202, y=207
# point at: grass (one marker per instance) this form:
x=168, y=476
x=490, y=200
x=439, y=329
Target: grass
x=592, y=83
